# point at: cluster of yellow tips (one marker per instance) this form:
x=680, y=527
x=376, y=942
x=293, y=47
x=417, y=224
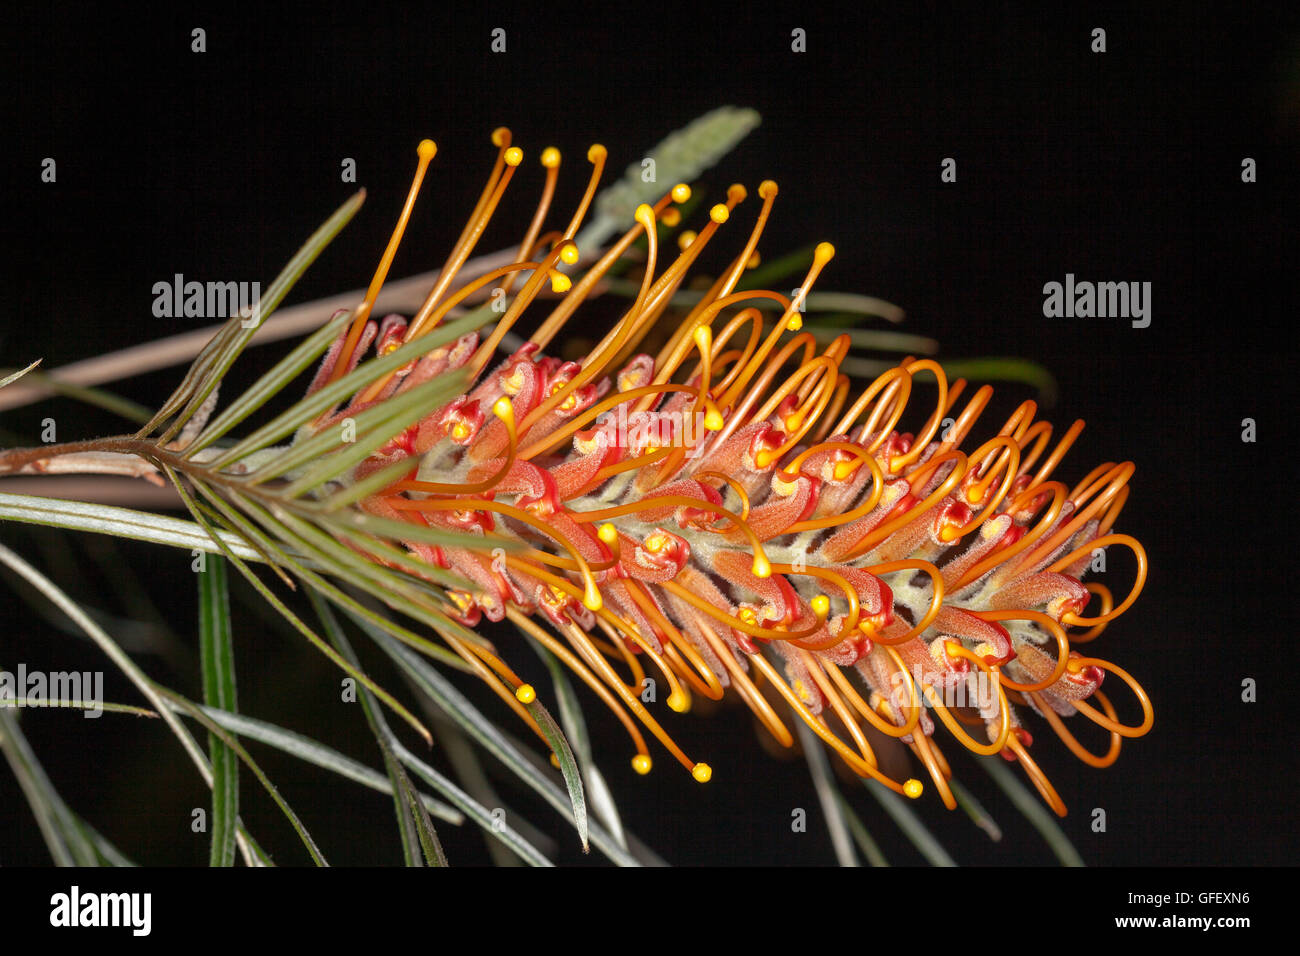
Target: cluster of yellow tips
x=721, y=514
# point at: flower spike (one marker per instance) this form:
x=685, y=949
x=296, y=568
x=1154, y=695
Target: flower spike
x=740, y=520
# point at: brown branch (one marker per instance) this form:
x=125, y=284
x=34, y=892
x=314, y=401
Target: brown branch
x=403, y=295
x=123, y=456
x=96, y=489
x=15, y=460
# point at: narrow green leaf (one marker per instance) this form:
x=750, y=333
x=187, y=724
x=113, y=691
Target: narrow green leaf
x=193, y=710
x=401, y=594
x=465, y=767
x=412, y=819
x=272, y=554
x=313, y=752
x=216, y=653
x=67, y=843
x=108, y=854
x=398, y=591
x=268, y=303
x=1028, y=803
x=105, y=706
x=400, y=557
x=306, y=631
x=410, y=638
x=460, y=710
x=198, y=368
x=257, y=856
x=910, y=824
x=131, y=411
x=17, y=374
x=391, y=591
x=119, y=522
x=270, y=384
x=575, y=730
x=410, y=840
x=402, y=531
x=473, y=809
x=975, y=810
x=151, y=691
x=679, y=157
x=372, y=484
x=375, y=427
x=861, y=836
x=820, y=770
x=429, y=844
x=314, y=405
x=568, y=767
x=120, y=658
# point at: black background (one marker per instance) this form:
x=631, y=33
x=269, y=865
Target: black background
x=1117, y=166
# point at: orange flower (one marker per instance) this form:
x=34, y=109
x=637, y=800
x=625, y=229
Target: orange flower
x=720, y=515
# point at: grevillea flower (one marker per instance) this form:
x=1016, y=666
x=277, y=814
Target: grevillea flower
x=724, y=516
